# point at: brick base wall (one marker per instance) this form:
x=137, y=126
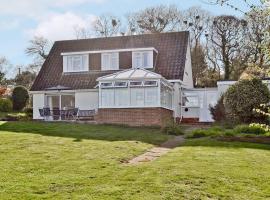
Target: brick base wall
x=135, y=116
x=190, y=120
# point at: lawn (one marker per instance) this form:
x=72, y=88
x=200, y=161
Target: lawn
x=71, y=161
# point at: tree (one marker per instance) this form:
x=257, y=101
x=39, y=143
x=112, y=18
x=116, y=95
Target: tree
x=81, y=32
x=199, y=65
x=39, y=49
x=20, y=98
x=4, y=66
x=255, y=72
x=106, y=25
x=258, y=25
x=226, y=38
x=25, y=79
x=208, y=78
x=197, y=21
x=155, y=20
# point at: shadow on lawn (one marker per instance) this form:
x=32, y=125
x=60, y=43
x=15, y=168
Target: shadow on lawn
x=87, y=131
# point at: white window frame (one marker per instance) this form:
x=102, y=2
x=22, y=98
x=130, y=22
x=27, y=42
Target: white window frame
x=84, y=62
x=130, y=84
x=196, y=96
x=121, y=86
x=106, y=87
x=110, y=63
x=147, y=85
x=141, y=59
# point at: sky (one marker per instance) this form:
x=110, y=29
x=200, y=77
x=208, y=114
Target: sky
x=21, y=20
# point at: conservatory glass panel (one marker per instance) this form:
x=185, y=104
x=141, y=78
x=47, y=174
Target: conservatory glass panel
x=137, y=96
x=121, y=97
x=107, y=97
x=151, y=96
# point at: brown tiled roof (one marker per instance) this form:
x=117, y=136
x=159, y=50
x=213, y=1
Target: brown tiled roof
x=170, y=64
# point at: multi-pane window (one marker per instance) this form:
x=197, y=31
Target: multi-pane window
x=142, y=59
x=120, y=84
x=107, y=98
x=137, y=97
x=135, y=83
x=150, y=83
x=75, y=63
x=151, y=96
x=190, y=100
x=110, y=61
x=121, y=97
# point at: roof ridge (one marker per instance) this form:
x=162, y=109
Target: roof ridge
x=124, y=36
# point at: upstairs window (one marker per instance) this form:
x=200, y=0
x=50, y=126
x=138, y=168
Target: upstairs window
x=110, y=61
x=75, y=63
x=142, y=59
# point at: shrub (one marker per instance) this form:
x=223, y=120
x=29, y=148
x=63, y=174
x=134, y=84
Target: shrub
x=16, y=117
x=218, y=111
x=29, y=112
x=198, y=133
x=246, y=95
x=249, y=129
x=20, y=97
x=173, y=129
x=229, y=133
x=213, y=132
x=5, y=105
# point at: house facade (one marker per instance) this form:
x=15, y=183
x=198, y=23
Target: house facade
x=134, y=80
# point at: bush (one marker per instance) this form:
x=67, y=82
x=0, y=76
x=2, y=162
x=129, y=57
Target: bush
x=212, y=132
x=249, y=129
x=246, y=95
x=29, y=112
x=218, y=111
x=20, y=98
x=198, y=133
x=229, y=133
x=5, y=105
x=17, y=117
x=173, y=129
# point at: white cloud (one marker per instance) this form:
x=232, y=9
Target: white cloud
x=61, y=26
x=35, y=8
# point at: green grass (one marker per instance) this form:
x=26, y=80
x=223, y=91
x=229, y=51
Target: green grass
x=70, y=161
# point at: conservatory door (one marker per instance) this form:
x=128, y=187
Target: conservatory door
x=207, y=99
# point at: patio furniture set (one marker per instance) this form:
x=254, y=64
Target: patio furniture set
x=74, y=114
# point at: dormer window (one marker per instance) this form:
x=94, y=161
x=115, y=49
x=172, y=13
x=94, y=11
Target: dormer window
x=142, y=59
x=75, y=63
x=110, y=61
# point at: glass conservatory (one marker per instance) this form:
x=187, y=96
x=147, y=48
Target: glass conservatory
x=134, y=88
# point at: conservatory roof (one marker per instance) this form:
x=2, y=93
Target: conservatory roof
x=131, y=74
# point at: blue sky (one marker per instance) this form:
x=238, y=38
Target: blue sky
x=20, y=20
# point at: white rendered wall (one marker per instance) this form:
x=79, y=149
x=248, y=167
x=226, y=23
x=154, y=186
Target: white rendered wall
x=188, y=77
x=176, y=100
x=223, y=86
x=86, y=100
x=192, y=112
x=38, y=102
